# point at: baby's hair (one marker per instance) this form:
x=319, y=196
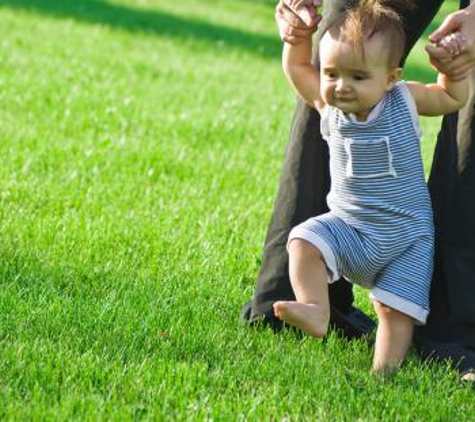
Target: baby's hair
x=367, y=18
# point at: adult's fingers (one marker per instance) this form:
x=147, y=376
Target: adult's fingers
x=290, y=32
x=306, y=11
x=305, y=3
x=285, y=15
x=294, y=36
x=307, y=15
x=439, y=66
x=450, y=24
x=438, y=53
x=448, y=44
x=460, y=43
x=291, y=29
x=454, y=43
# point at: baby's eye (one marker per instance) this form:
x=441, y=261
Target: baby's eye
x=330, y=75
x=358, y=77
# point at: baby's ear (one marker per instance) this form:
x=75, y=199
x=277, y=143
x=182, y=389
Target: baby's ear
x=393, y=78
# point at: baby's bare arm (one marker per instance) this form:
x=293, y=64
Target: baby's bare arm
x=444, y=97
x=302, y=75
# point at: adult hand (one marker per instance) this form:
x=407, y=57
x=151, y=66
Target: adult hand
x=305, y=9
x=291, y=17
x=459, y=66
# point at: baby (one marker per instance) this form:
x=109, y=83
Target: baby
x=379, y=230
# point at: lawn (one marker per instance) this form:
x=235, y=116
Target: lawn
x=141, y=146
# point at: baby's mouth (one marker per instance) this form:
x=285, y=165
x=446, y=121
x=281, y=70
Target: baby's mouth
x=343, y=99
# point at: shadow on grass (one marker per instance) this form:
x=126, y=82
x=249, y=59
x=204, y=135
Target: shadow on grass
x=154, y=22
x=270, y=3
x=164, y=24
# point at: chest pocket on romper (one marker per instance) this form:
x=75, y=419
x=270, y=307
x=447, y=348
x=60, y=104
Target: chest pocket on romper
x=369, y=158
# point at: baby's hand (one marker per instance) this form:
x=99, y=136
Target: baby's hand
x=453, y=43
x=304, y=9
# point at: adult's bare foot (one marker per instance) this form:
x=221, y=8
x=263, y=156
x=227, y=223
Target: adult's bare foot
x=307, y=317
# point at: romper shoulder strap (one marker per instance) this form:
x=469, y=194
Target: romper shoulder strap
x=411, y=105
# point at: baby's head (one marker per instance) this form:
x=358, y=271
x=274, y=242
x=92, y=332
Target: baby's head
x=360, y=54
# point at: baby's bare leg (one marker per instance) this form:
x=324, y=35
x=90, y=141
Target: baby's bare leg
x=393, y=338
x=309, y=279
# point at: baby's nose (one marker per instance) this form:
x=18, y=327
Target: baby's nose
x=341, y=85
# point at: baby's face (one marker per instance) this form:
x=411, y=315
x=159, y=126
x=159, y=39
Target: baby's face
x=351, y=82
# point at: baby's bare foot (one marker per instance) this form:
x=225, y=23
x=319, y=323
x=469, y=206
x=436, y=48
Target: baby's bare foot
x=469, y=376
x=307, y=317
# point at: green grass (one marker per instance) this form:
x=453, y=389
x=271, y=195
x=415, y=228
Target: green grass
x=141, y=146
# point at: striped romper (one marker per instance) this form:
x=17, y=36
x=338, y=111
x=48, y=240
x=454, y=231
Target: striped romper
x=379, y=230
